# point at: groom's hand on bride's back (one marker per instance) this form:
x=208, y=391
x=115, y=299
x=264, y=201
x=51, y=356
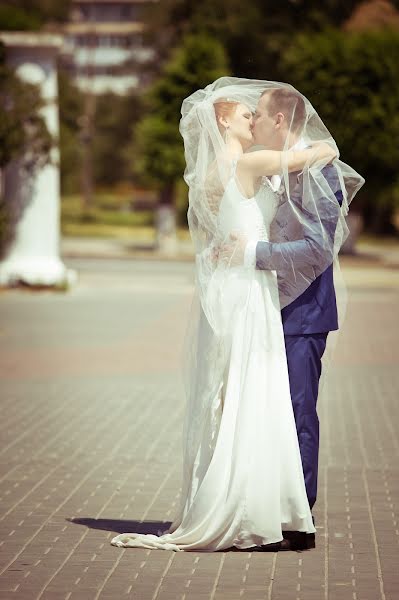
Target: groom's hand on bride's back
x=232, y=253
x=215, y=253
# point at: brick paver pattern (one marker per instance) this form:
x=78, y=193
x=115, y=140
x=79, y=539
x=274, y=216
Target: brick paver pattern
x=91, y=412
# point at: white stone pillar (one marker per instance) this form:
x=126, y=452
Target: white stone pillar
x=33, y=257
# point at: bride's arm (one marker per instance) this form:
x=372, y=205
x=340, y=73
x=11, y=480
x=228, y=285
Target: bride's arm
x=269, y=162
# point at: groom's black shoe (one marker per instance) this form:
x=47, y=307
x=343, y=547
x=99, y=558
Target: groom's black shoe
x=293, y=540
x=299, y=540
x=274, y=547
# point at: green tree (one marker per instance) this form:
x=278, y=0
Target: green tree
x=253, y=34
x=70, y=106
x=113, y=118
x=32, y=14
x=158, y=147
x=351, y=79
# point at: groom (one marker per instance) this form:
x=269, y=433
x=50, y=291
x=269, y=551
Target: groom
x=308, y=319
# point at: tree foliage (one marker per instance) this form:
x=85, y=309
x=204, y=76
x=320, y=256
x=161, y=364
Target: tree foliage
x=351, y=79
x=158, y=147
x=253, y=34
x=70, y=107
x=22, y=127
x=114, y=116
x=23, y=15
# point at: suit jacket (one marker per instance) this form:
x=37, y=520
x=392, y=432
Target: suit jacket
x=315, y=310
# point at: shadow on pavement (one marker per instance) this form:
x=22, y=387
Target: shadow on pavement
x=122, y=526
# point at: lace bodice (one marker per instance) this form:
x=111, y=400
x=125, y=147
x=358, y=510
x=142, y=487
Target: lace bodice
x=251, y=216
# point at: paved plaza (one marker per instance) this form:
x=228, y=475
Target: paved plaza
x=91, y=412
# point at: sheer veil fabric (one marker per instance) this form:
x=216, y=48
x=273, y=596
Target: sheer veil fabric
x=242, y=481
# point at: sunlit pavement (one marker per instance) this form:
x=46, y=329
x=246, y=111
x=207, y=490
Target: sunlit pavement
x=91, y=414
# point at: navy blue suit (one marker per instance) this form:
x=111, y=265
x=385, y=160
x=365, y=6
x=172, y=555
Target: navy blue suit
x=306, y=322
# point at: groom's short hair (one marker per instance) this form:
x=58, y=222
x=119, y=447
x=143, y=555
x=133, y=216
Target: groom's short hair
x=290, y=103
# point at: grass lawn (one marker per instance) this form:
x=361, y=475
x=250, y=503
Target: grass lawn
x=110, y=217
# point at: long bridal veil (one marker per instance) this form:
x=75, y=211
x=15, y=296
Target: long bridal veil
x=238, y=405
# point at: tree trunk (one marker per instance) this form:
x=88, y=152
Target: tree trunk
x=166, y=235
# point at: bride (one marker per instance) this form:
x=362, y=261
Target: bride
x=243, y=482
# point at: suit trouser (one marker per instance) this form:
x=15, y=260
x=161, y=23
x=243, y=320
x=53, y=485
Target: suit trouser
x=304, y=354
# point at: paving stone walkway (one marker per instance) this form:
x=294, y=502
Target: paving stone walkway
x=91, y=410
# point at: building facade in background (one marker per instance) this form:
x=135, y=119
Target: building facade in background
x=104, y=48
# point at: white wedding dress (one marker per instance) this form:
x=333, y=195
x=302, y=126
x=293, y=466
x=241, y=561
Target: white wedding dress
x=248, y=483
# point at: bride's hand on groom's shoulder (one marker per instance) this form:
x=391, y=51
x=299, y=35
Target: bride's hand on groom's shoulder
x=324, y=152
